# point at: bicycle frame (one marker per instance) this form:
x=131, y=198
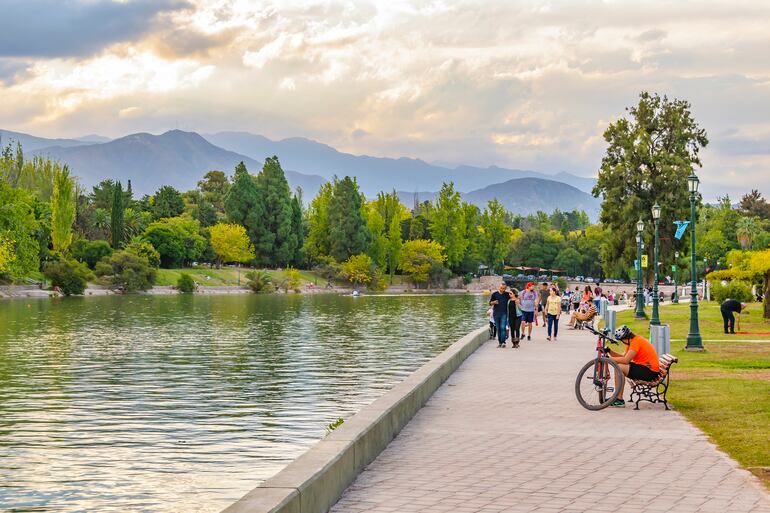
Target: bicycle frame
x=601, y=374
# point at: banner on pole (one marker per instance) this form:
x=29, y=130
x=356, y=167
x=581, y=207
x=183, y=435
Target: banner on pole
x=644, y=261
x=681, y=226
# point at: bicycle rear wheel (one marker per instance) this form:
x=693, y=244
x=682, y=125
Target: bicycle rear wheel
x=595, y=385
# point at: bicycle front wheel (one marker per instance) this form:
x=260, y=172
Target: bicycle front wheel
x=598, y=383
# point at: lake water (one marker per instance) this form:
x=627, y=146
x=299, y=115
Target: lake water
x=184, y=403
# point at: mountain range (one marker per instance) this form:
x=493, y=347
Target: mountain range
x=180, y=159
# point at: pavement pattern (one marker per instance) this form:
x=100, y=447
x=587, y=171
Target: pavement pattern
x=506, y=434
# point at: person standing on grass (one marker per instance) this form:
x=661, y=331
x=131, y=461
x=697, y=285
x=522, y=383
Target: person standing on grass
x=729, y=308
x=553, y=312
x=527, y=302
x=499, y=303
x=543, y=297
x=514, y=317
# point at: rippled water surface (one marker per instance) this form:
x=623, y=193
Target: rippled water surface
x=174, y=403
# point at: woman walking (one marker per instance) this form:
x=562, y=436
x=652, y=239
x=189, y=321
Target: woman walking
x=553, y=312
x=514, y=317
x=527, y=301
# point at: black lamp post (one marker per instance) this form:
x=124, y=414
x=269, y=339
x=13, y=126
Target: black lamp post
x=655, y=321
x=676, y=271
x=639, y=313
x=694, y=340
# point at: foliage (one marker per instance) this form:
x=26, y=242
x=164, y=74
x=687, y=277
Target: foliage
x=259, y=281
x=418, y=256
x=736, y=289
x=276, y=242
x=394, y=245
x=230, y=243
x=177, y=239
x=334, y=425
x=291, y=280
x=747, y=228
x=186, y=284
x=62, y=209
x=167, y=202
x=447, y=225
x=318, y=243
x=358, y=269
x=495, y=235
x=146, y=250
x=752, y=266
x=90, y=251
x=117, y=226
x=648, y=159
x=7, y=255
x=378, y=240
x=69, y=275
x=127, y=271
x=18, y=223
x=244, y=204
x=347, y=228
x=753, y=204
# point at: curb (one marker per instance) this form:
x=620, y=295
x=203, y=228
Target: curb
x=315, y=481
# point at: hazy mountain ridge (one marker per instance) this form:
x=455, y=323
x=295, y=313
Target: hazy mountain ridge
x=31, y=143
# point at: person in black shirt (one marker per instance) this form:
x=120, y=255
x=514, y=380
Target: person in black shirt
x=499, y=303
x=514, y=317
x=728, y=308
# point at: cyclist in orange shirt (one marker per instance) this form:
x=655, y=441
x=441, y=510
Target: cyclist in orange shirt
x=639, y=362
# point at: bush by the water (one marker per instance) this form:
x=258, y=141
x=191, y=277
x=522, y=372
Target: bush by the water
x=186, y=284
x=69, y=275
x=735, y=289
x=127, y=271
x=259, y=281
x=146, y=250
x=90, y=251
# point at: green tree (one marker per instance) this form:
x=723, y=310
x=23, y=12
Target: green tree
x=318, y=242
x=358, y=269
x=754, y=204
x=259, y=281
x=90, y=252
x=447, y=225
x=378, y=240
x=569, y=260
x=347, y=228
x=186, y=284
x=7, y=255
x=205, y=213
x=168, y=202
x=68, y=275
x=178, y=240
x=214, y=187
x=394, y=245
x=495, y=234
x=62, y=209
x=419, y=256
x=117, y=222
x=127, y=271
x=747, y=228
x=19, y=224
x=648, y=159
x=472, y=215
x=231, y=243
x=298, y=228
x=243, y=203
x=276, y=243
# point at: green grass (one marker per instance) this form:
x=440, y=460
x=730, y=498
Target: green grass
x=212, y=277
x=725, y=390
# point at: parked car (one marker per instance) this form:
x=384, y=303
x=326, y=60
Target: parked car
x=588, y=279
x=531, y=277
x=579, y=278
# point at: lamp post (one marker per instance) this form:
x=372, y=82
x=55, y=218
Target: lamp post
x=694, y=340
x=655, y=321
x=676, y=271
x=639, y=313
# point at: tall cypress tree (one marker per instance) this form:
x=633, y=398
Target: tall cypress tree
x=298, y=228
x=243, y=203
x=347, y=228
x=277, y=244
x=116, y=222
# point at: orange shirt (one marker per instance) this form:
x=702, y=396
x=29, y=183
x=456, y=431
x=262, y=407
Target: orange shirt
x=645, y=353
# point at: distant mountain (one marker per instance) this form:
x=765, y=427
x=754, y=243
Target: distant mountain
x=31, y=143
x=376, y=173
x=93, y=138
x=524, y=196
x=174, y=158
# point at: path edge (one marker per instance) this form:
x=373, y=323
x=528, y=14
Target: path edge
x=316, y=480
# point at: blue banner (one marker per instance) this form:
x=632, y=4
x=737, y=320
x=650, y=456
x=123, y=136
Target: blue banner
x=681, y=226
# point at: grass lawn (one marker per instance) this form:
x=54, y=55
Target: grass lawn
x=207, y=276
x=725, y=390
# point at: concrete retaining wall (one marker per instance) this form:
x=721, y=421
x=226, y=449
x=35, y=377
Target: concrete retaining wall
x=314, y=482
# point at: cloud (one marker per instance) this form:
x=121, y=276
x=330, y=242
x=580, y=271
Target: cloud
x=58, y=28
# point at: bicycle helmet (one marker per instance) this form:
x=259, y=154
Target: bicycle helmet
x=623, y=333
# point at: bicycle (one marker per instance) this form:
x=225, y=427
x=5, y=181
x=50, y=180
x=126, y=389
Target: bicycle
x=595, y=386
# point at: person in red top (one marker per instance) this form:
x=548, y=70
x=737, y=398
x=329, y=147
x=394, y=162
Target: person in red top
x=639, y=362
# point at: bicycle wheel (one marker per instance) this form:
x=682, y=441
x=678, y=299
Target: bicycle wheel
x=595, y=385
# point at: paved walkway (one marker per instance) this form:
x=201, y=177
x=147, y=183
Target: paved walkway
x=506, y=434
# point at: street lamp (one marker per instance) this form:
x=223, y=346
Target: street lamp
x=694, y=340
x=676, y=271
x=639, y=313
x=655, y=321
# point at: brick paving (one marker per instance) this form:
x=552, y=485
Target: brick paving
x=506, y=434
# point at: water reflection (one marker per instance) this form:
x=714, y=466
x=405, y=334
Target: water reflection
x=185, y=403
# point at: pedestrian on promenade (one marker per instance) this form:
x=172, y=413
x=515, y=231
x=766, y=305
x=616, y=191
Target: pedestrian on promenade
x=553, y=312
x=499, y=303
x=527, y=302
x=514, y=317
x=542, y=298
x=576, y=299
x=597, y=296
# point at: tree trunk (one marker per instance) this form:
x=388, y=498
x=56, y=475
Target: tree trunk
x=766, y=293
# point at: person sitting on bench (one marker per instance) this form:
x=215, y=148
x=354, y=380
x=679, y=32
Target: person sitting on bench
x=639, y=362
x=728, y=308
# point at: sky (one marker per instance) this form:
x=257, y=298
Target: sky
x=521, y=84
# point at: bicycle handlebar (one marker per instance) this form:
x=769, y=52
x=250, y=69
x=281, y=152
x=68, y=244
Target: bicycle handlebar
x=605, y=334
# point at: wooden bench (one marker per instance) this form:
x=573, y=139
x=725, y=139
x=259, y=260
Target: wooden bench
x=654, y=391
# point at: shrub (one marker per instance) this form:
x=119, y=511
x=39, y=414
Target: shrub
x=467, y=278
x=736, y=289
x=259, y=281
x=292, y=281
x=69, y=275
x=146, y=250
x=127, y=271
x=561, y=283
x=186, y=284
x=90, y=251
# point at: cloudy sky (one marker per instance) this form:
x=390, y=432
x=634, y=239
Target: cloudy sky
x=523, y=84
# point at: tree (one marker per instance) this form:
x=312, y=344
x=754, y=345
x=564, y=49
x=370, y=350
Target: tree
x=168, y=202
x=347, y=228
x=205, y=213
x=18, y=223
x=358, y=269
x=68, y=275
x=378, y=241
x=275, y=244
x=318, y=243
x=648, y=159
x=746, y=230
x=231, y=243
x=214, y=187
x=90, y=252
x=447, y=225
x=751, y=266
x=394, y=245
x=62, y=209
x=7, y=255
x=117, y=221
x=259, y=281
x=418, y=256
x=243, y=203
x=298, y=228
x=495, y=234
x=754, y=204
x=569, y=260
x=127, y=271
x=178, y=240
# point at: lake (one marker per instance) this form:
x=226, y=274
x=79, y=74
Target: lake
x=184, y=403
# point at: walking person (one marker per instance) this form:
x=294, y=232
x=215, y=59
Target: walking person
x=499, y=303
x=553, y=312
x=527, y=302
x=543, y=297
x=576, y=299
x=514, y=317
